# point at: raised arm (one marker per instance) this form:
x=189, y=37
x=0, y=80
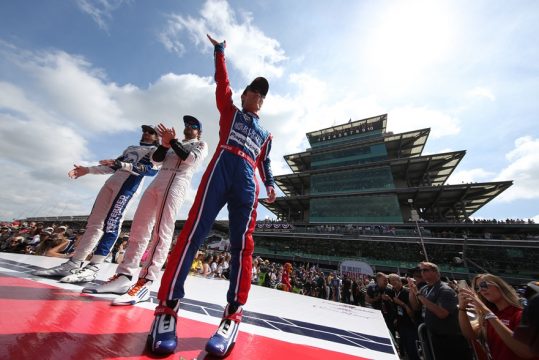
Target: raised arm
x=223, y=92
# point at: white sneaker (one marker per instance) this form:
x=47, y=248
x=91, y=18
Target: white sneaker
x=117, y=284
x=87, y=273
x=65, y=269
x=138, y=293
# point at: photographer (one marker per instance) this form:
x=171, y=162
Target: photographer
x=380, y=296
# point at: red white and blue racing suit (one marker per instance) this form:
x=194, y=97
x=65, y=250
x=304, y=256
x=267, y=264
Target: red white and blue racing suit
x=105, y=220
x=229, y=179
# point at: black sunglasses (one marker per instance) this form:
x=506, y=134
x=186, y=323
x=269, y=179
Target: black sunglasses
x=151, y=132
x=484, y=285
x=192, y=126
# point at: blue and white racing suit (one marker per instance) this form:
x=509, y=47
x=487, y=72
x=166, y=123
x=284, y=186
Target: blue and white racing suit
x=105, y=220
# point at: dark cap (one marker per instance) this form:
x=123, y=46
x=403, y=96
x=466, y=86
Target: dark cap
x=259, y=85
x=149, y=128
x=191, y=120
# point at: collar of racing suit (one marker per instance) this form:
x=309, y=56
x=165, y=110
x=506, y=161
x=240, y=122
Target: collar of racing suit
x=252, y=115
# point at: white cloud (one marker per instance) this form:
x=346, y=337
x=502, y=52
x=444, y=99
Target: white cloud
x=76, y=91
x=308, y=107
x=405, y=41
x=410, y=118
x=58, y=103
x=523, y=169
x=63, y=89
x=253, y=52
x=101, y=10
x=38, y=154
x=170, y=35
x=481, y=92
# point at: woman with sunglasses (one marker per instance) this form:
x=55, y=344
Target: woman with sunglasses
x=499, y=312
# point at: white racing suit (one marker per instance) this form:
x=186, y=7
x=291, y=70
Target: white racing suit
x=157, y=210
x=105, y=220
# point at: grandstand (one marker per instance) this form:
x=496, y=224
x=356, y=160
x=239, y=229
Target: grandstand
x=359, y=173
x=360, y=192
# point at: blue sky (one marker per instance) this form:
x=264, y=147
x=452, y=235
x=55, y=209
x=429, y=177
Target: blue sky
x=78, y=78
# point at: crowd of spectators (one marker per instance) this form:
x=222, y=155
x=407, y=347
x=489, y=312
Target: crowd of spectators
x=393, y=230
x=33, y=238
x=495, y=221
x=422, y=296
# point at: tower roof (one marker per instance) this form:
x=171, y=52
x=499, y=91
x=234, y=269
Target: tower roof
x=445, y=202
x=401, y=145
x=428, y=169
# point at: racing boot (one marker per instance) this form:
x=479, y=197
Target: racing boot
x=222, y=342
x=162, y=337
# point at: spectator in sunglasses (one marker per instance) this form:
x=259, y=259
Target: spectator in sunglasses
x=499, y=312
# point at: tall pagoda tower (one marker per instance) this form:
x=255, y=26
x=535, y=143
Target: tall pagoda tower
x=359, y=173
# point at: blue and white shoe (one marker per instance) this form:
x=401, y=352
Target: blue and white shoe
x=86, y=274
x=222, y=342
x=137, y=293
x=162, y=337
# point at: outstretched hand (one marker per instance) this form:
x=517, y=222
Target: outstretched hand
x=215, y=42
x=78, y=171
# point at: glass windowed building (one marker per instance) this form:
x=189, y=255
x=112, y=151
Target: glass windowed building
x=359, y=173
